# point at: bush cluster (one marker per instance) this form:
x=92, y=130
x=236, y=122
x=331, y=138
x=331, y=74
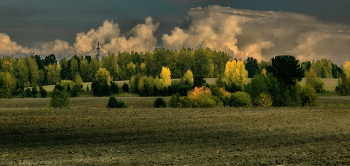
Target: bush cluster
x=149, y=86
x=104, y=89
x=159, y=103
x=114, y=103
x=240, y=99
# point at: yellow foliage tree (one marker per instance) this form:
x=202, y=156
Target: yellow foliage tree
x=103, y=76
x=165, y=75
x=236, y=73
x=188, y=76
x=346, y=69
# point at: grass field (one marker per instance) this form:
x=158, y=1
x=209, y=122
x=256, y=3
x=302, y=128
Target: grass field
x=89, y=134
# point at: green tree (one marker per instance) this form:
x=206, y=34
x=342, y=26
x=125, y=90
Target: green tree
x=188, y=78
x=219, y=59
x=59, y=99
x=85, y=70
x=313, y=81
x=21, y=72
x=130, y=69
x=201, y=65
x=78, y=83
x=125, y=87
x=50, y=59
x=251, y=65
x=64, y=74
x=94, y=66
x=43, y=92
x=109, y=62
x=185, y=60
x=73, y=67
x=7, y=84
x=133, y=83
x=34, y=90
x=159, y=83
x=145, y=85
x=259, y=84
x=286, y=69
x=53, y=73
x=308, y=96
x=33, y=71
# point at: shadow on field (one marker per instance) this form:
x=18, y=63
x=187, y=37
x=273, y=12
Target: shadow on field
x=152, y=136
x=27, y=137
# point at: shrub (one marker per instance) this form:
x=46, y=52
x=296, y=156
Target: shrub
x=308, y=96
x=114, y=87
x=223, y=95
x=125, y=87
x=74, y=91
x=175, y=101
x=23, y=94
x=58, y=87
x=114, y=103
x=206, y=101
x=43, y=92
x=59, y=99
x=265, y=100
x=28, y=92
x=159, y=103
x=34, y=90
x=183, y=90
x=240, y=99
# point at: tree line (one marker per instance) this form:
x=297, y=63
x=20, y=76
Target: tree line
x=16, y=74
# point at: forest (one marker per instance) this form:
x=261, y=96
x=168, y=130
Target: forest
x=272, y=82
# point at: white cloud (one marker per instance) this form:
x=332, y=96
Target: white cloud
x=9, y=47
x=86, y=42
x=140, y=38
x=241, y=33
x=261, y=34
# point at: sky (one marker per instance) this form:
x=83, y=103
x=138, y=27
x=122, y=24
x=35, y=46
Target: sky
x=306, y=29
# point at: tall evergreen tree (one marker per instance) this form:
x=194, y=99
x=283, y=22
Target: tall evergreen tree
x=286, y=69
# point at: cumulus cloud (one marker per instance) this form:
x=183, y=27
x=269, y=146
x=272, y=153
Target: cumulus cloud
x=240, y=33
x=9, y=47
x=58, y=47
x=261, y=34
x=140, y=38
